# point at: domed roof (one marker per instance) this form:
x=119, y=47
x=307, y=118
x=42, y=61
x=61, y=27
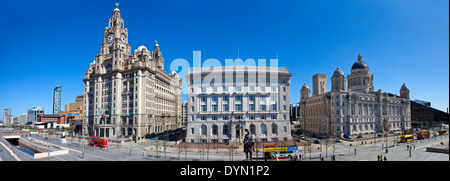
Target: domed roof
x=140, y=48
x=338, y=72
x=360, y=64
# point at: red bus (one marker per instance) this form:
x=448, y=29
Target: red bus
x=98, y=142
x=423, y=134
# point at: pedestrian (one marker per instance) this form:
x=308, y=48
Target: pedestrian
x=385, y=159
x=378, y=157
x=321, y=158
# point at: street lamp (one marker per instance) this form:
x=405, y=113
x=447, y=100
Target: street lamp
x=386, y=130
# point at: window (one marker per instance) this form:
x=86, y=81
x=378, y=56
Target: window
x=252, y=129
x=273, y=107
x=238, y=98
x=225, y=107
x=225, y=130
x=273, y=98
x=238, y=107
x=204, y=129
x=274, y=89
x=214, y=107
x=263, y=128
x=203, y=108
x=274, y=129
x=225, y=98
x=214, y=129
x=251, y=98
x=251, y=107
x=204, y=99
x=262, y=107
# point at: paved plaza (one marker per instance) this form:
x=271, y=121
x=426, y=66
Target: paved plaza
x=153, y=150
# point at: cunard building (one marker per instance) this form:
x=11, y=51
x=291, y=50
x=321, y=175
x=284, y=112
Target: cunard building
x=129, y=94
x=354, y=109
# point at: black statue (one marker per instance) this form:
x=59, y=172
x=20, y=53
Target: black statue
x=248, y=145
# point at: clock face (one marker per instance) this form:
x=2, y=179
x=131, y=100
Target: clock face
x=110, y=38
x=122, y=37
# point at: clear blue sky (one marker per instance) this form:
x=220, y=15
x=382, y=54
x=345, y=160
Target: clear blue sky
x=48, y=43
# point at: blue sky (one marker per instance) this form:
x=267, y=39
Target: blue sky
x=45, y=44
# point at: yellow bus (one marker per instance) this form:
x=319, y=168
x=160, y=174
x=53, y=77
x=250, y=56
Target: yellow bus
x=442, y=132
x=406, y=138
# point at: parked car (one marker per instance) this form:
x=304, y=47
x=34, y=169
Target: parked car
x=338, y=140
x=360, y=136
x=316, y=142
x=348, y=136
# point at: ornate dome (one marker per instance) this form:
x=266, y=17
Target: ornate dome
x=338, y=72
x=140, y=48
x=360, y=64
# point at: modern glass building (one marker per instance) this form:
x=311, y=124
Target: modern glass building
x=57, y=99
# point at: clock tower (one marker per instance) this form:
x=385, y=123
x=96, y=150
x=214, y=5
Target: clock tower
x=115, y=48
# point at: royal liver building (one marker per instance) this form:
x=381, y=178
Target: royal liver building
x=355, y=110
x=129, y=94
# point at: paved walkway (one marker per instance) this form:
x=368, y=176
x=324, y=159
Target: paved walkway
x=147, y=150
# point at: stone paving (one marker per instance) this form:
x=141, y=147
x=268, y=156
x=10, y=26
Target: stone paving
x=147, y=151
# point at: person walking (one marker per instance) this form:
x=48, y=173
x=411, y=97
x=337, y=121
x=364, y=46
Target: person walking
x=378, y=157
x=385, y=159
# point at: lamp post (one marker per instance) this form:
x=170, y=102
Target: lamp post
x=386, y=130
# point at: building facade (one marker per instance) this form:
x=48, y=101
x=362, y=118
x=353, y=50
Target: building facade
x=74, y=111
x=225, y=101
x=23, y=119
x=57, y=100
x=184, y=113
x=33, y=113
x=129, y=95
x=354, y=109
x=423, y=115
x=7, y=116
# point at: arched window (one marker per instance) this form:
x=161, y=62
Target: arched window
x=214, y=129
x=204, y=129
x=274, y=128
x=252, y=129
x=225, y=130
x=263, y=129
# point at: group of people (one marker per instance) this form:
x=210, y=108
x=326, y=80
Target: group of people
x=380, y=158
